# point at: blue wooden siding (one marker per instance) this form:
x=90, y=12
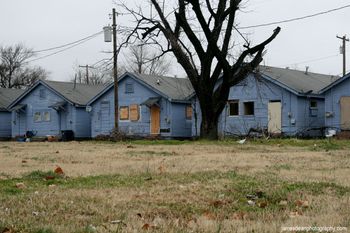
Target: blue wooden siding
x=132, y=91
x=181, y=127
x=5, y=124
x=332, y=103
x=296, y=116
x=36, y=101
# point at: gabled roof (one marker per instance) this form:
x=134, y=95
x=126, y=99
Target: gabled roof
x=7, y=96
x=172, y=88
x=78, y=94
x=296, y=81
x=338, y=81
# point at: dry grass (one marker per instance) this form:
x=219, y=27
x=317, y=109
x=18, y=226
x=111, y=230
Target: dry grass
x=190, y=186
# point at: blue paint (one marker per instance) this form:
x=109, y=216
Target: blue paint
x=38, y=100
x=296, y=117
x=333, y=94
x=133, y=91
x=5, y=124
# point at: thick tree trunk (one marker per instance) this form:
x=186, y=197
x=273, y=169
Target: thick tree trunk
x=209, y=128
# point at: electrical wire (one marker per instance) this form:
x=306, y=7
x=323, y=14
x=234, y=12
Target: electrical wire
x=62, y=50
x=295, y=19
x=65, y=45
x=312, y=60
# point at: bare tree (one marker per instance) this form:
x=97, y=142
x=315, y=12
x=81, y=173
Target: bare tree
x=143, y=61
x=200, y=33
x=14, y=69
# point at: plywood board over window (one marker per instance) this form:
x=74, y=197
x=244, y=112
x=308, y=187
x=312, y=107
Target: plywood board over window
x=124, y=113
x=134, y=112
x=188, y=112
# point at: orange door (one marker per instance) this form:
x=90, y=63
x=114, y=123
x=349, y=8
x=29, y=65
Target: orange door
x=155, y=119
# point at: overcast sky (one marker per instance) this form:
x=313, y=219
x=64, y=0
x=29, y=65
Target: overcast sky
x=42, y=24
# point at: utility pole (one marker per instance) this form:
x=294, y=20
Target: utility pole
x=343, y=51
x=87, y=72
x=115, y=72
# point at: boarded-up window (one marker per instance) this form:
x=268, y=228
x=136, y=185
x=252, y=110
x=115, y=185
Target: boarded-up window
x=124, y=113
x=46, y=116
x=37, y=116
x=249, y=108
x=188, y=112
x=134, y=112
x=313, y=104
x=233, y=108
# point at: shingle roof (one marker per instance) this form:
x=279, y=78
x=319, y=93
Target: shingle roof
x=80, y=94
x=7, y=96
x=298, y=80
x=172, y=87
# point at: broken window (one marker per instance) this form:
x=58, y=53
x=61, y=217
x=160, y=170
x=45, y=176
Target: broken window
x=233, y=108
x=37, y=116
x=248, y=108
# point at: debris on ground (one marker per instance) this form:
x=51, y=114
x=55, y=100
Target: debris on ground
x=20, y=185
x=59, y=170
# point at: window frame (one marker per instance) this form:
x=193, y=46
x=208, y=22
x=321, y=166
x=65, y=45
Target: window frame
x=42, y=93
x=120, y=115
x=43, y=116
x=37, y=120
x=127, y=90
x=235, y=101
x=245, y=108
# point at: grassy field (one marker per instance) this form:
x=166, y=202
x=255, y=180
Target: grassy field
x=174, y=186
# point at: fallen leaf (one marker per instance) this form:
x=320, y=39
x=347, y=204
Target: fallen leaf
x=130, y=146
x=59, y=170
x=161, y=169
x=240, y=216
x=217, y=203
x=301, y=203
x=145, y=226
x=21, y=186
x=7, y=230
x=57, y=152
x=24, y=161
x=139, y=215
x=262, y=204
x=208, y=215
x=49, y=177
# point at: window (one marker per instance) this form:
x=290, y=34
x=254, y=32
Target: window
x=124, y=113
x=37, y=116
x=313, y=104
x=188, y=112
x=46, y=116
x=233, y=108
x=129, y=88
x=313, y=108
x=42, y=94
x=134, y=112
x=248, y=108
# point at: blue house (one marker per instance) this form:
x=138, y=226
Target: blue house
x=149, y=105
x=48, y=107
x=278, y=101
x=337, y=104
x=6, y=97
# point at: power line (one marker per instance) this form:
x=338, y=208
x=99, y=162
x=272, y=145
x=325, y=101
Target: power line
x=68, y=44
x=62, y=50
x=312, y=60
x=295, y=19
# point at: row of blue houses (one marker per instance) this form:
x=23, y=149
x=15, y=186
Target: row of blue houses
x=273, y=100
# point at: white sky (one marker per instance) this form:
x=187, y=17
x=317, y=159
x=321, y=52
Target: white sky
x=41, y=24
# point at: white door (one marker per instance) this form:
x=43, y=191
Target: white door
x=275, y=118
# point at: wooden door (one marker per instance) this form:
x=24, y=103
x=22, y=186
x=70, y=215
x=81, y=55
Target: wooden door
x=155, y=119
x=275, y=118
x=345, y=113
